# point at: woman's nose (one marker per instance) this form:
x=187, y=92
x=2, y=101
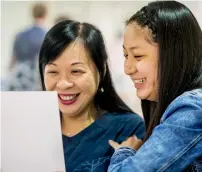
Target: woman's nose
x=64, y=84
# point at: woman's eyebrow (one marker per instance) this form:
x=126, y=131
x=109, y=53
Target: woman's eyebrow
x=52, y=64
x=77, y=63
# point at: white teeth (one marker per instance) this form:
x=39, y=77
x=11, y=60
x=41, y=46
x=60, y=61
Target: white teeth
x=139, y=81
x=68, y=97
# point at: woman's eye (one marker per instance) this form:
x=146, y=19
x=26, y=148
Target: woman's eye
x=52, y=72
x=77, y=72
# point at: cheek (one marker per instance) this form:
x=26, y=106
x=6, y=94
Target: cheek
x=125, y=67
x=143, y=68
x=147, y=69
x=87, y=83
x=49, y=83
x=154, y=71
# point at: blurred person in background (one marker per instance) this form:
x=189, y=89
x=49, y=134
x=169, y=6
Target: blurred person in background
x=23, y=74
x=163, y=57
x=73, y=62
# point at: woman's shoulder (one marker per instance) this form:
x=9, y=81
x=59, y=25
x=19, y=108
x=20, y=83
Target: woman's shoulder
x=127, y=118
x=189, y=103
x=128, y=124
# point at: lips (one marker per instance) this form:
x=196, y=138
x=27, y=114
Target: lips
x=138, y=83
x=68, y=99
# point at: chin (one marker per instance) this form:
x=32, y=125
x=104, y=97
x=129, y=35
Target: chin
x=146, y=97
x=67, y=113
x=141, y=95
x=71, y=111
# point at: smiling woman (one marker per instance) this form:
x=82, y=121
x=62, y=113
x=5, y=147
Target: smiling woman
x=76, y=80
x=73, y=62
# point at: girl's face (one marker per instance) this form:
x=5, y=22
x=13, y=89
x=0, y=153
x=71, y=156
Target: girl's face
x=75, y=78
x=141, y=59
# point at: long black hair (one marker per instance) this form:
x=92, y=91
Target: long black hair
x=179, y=37
x=61, y=36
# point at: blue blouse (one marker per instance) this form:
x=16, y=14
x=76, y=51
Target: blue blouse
x=89, y=150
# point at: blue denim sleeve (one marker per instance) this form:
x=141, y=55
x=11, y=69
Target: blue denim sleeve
x=122, y=153
x=173, y=145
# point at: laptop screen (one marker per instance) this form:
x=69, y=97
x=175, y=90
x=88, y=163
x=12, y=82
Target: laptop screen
x=31, y=132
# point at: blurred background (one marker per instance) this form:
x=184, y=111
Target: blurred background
x=17, y=24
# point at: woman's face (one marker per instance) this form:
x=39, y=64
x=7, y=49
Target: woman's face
x=141, y=56
x=75, y=78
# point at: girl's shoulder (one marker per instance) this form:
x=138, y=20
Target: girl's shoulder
x=189, y=103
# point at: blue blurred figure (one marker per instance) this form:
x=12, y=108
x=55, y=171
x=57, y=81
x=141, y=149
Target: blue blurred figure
x=24, y=73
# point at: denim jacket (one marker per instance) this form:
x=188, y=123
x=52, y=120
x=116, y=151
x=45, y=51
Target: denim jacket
x=175, y=144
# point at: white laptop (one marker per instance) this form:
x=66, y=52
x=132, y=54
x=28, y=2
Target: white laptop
x=31, y=139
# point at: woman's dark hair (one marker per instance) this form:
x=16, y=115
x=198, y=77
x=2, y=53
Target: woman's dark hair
x=61, y=36
x=179, y=37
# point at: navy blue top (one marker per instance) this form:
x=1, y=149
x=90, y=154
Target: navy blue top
x=89, y=150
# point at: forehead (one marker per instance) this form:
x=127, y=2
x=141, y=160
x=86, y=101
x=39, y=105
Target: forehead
x=135, y=35
x=75, y=52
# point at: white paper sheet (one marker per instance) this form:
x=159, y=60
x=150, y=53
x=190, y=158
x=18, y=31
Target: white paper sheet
x=31, y=132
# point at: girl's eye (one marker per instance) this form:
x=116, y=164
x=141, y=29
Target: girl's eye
x=137, y=56
x=125, y=55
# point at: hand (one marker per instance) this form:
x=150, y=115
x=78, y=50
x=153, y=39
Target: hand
x=132, y=142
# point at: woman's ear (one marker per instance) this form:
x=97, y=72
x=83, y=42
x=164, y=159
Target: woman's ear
x=101, y=77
